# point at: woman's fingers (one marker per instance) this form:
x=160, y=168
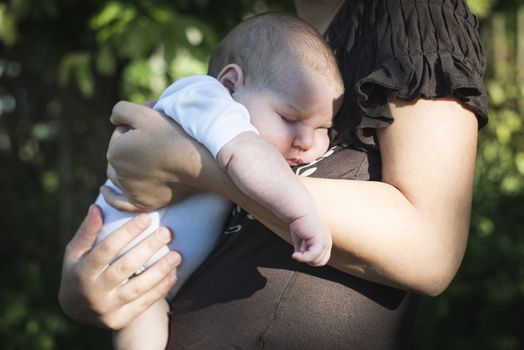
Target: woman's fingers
x=130, y=311
x=85, y=237
x=103, y=253
x=127, y=113
x=131, y=261
x=140, y=285
x=117, y=200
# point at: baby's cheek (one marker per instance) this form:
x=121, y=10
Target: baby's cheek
x=319, y=147
x=322, y=142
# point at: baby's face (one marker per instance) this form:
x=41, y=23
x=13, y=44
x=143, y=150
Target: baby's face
x=296, y=121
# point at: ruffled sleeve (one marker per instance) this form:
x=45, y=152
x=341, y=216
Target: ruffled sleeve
x=406, y=49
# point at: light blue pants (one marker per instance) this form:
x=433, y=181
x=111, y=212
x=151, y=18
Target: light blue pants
x=196, y=223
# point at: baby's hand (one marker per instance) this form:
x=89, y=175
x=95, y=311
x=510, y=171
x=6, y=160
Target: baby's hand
x=312, y=240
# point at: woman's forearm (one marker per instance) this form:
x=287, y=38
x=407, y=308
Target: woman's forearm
x=380, y=236
x=409, y=231
x=377, y=234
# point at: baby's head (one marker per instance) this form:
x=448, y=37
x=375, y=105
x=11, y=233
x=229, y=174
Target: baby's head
x=284, y=72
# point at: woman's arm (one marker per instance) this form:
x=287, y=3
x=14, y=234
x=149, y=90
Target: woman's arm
x=408, y=231
x=411, y=229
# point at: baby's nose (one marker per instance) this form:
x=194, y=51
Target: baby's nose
x=303, y=138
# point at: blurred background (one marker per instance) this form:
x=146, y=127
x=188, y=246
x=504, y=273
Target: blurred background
x=64, y=64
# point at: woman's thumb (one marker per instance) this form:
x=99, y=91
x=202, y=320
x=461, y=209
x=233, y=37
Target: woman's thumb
x=85, y=236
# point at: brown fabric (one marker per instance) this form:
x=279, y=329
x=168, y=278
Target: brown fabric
x=250, y=294
x=404, y=49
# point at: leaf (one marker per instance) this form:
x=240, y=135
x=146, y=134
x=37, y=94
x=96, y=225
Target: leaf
x=8, y=32
x=105, y=61
x=185, y=64
x=77, y=65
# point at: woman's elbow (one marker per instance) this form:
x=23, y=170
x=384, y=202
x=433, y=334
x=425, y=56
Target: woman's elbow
x=439, y=261
x=433, y=279
x=433, y=284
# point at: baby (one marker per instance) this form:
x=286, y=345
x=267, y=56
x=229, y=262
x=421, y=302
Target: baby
x=275, y=90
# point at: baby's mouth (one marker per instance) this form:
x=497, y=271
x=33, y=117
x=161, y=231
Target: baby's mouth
x=294, y=161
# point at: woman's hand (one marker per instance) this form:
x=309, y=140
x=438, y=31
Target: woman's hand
x=96, y=291
x=153, y=160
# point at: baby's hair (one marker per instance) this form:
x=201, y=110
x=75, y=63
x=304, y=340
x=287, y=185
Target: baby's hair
x=265, y=46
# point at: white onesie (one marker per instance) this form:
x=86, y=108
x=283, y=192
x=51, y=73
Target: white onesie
x=207, y=112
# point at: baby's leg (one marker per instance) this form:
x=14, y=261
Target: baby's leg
x=197, y=224
x=149, y=331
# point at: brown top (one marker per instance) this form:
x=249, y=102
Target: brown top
x=405, y=49
x=250, y=294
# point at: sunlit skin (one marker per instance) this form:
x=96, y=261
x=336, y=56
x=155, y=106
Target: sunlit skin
x=296, y=121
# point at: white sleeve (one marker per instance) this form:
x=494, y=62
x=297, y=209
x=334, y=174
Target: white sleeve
x=205, y=110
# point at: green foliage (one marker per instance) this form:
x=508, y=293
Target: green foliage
x=63, y=65
x=7, y=26
x=159, y=44
x=77, y=64
x=481, y=8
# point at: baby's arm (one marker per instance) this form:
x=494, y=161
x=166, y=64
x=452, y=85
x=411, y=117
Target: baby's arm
x=206, y=111
x=261, y=172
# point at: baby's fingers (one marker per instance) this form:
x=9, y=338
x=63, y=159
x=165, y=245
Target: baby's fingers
x=322, y=259
x=316, y=254
x=310, y=255
x=312, y=259
x=299, y=245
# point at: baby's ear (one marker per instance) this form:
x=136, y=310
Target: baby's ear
x=232, y=77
